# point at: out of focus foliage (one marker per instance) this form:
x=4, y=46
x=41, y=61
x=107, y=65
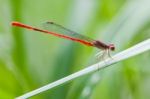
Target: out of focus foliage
x=29, y=60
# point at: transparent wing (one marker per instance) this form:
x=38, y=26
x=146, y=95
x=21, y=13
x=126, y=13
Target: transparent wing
x=53, y=27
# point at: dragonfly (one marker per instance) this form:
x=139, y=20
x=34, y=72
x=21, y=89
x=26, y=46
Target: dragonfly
x=62, y=32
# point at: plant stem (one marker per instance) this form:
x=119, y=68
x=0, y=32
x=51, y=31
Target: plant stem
x=135, y=50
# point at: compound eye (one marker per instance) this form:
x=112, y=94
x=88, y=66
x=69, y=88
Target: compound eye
x=112, y=47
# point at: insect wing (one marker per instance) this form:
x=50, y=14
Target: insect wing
x=53, y=27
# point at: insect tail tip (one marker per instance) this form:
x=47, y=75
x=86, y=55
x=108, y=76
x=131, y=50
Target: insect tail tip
x=13, y=23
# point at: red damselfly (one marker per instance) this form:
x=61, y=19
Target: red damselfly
x=62, y=32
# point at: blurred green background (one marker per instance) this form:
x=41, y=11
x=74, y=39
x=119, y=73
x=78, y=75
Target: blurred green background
x=29, y=60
